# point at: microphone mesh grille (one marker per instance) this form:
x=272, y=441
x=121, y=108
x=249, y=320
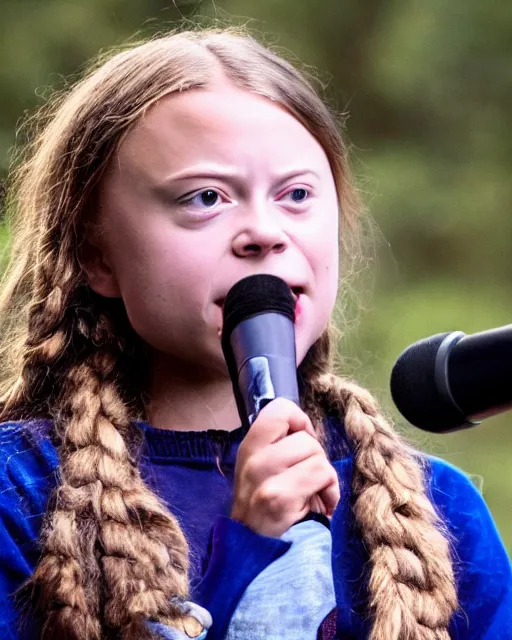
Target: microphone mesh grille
x=254, y=295
x=414, y=390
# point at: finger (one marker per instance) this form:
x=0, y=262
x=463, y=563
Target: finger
x=317, y=505
x=329, y=497
x=275, y=458
x=275, y=421
x=294, y=488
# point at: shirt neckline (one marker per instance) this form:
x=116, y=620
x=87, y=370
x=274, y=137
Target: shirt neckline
x=207, y=446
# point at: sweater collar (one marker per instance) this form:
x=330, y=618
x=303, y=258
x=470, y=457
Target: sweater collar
x=192, y=446
x=213, y=445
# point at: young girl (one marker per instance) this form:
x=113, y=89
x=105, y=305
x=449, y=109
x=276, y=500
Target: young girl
x=132, y=503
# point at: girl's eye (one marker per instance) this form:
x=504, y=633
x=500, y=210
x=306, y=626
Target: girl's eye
x=207, y=198
x=298, y=195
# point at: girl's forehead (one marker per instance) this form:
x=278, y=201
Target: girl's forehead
x=224, y=123
x=221, y=107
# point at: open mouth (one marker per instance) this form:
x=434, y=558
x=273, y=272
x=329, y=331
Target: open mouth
x=296, y=292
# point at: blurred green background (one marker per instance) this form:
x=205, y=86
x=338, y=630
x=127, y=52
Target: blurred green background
x=428, y=86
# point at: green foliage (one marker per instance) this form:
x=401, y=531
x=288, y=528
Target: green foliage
x=429, y=92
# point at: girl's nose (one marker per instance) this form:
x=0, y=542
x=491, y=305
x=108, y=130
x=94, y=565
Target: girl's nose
x=261, y=235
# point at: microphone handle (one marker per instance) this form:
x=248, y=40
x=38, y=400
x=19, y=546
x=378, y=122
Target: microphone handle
x=266, y=376
x=484, y=389
x=265, y=355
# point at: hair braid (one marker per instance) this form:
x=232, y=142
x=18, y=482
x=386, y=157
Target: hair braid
x=411, y=583
x=142, y=549
x=113, y=555
x=412, y=587
x=50, y=292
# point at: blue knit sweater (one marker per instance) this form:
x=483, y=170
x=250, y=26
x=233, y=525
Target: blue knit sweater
x=226, y=556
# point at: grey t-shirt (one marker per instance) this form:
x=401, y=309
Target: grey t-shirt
x=292, y=596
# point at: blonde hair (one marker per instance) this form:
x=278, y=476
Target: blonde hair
x=113, y=555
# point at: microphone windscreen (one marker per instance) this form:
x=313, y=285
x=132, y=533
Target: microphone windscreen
x=251, y=296
x=415, y=392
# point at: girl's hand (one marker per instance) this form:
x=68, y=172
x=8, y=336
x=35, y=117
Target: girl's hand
x=282, y=472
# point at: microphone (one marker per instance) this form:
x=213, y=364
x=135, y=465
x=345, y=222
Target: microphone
x=451, y=380
x=258, y=342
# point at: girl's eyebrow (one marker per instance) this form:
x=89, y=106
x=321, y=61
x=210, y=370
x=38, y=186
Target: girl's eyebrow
x=201, y=172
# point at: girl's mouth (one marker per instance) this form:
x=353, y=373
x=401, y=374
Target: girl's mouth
x=296, y=294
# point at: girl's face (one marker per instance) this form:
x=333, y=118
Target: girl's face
x=209, y=187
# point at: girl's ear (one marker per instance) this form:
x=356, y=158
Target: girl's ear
x=100, y=276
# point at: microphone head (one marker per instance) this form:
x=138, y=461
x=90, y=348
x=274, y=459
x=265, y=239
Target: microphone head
x=415, y=392
x=254, y=295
